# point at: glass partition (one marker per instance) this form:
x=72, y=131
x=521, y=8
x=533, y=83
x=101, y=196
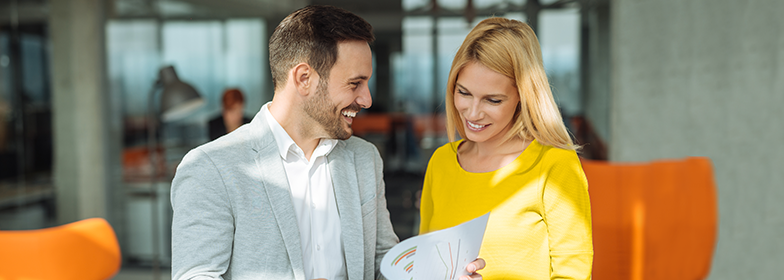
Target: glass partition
x=211, y=56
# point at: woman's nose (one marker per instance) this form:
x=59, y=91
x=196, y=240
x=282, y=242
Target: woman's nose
x=474, y=111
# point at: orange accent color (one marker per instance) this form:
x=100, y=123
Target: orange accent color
x=381, y=123
x=655, y=220
x=434, y=124
x=372, y=123
x=85, y=250
x=404, y=256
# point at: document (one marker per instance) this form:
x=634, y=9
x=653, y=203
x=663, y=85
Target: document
x=437, y=255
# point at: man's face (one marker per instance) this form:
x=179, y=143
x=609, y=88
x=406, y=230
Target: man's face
x=336, y=102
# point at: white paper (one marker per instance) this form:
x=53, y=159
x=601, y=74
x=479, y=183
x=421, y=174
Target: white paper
x=441, y=254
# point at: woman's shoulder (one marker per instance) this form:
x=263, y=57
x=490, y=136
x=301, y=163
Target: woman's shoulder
x=446, y=152
x=448, y=148
x=554, y=155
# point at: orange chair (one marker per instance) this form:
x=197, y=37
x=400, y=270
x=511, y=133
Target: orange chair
x=86, y=250
x=372, y=123
x=654, y=220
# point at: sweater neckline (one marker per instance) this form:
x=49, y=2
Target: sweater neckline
x=521, y=162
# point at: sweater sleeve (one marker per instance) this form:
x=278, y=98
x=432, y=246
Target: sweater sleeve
x=567, y=211
x=426, y=200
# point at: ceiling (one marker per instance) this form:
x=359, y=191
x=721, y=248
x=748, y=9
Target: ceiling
x=384, y=15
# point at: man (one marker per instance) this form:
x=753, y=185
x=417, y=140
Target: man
x=291, y=195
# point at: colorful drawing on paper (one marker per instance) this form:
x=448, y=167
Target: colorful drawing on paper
x=441, y=254
x=409, y=267
x=404, y=262
x=407, y=254
x=445, y=249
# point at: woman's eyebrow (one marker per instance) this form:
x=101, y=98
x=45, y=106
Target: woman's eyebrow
x=494, y=96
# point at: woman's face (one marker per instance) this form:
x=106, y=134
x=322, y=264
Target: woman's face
x=486, y=101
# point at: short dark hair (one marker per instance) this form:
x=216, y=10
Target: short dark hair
x=311, y=35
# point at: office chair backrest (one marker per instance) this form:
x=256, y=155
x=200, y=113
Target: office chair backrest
x=654, y=220
x=85, y=249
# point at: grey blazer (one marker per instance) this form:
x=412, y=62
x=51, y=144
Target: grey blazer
x=233, y=216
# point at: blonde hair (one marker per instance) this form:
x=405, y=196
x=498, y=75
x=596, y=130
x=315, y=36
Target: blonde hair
x=510, y=48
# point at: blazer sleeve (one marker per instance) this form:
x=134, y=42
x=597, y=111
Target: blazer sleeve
x=385, y=234
x=568, y=217
x=203, y=221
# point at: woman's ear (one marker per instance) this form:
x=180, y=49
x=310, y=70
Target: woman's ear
x=304, y=77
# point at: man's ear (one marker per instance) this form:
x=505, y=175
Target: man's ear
x=305, y=78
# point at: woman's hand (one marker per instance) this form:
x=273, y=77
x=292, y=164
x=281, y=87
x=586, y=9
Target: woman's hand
x=472, y=268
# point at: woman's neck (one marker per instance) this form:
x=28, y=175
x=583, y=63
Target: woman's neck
x=494, y=148
x=487, y=156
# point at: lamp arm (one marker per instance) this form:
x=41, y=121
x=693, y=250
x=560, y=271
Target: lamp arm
x=152, y=122
x=152, y=151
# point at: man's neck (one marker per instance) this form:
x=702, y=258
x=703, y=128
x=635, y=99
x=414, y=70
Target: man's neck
x=290, y=118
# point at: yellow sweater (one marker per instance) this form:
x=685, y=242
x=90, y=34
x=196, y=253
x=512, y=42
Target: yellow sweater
x=540, y=220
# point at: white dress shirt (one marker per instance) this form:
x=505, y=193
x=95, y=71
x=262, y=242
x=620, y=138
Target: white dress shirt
x=314, y=203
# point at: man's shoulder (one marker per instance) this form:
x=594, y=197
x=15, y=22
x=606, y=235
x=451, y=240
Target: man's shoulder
x=357, y=144
x=230, y=145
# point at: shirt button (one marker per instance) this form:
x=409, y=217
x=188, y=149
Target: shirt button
x=318, y=247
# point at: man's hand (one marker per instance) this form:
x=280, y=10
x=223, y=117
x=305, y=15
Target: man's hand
x=472, y=268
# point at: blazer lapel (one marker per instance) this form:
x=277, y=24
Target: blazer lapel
x=344, y=182
x=272, y=177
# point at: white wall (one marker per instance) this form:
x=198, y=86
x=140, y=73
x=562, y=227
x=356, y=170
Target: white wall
x=706, y=78
x=79, y=101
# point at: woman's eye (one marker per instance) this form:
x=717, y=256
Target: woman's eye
x=494, y=101
x=463, y=93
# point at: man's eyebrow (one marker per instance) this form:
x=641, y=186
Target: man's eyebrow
x=360, y=77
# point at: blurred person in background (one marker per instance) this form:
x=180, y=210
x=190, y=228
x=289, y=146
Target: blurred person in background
x=7, y=158
x=232, y=115
x=515, y=160
x=292, y=195
x=5, y=110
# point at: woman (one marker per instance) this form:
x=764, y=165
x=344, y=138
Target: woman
x=515, y=160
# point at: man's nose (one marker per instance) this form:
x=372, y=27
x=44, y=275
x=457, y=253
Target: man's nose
x=364, y=99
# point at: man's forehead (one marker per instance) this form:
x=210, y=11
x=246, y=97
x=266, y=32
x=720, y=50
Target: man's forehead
x=355, y=60
x=353, y=48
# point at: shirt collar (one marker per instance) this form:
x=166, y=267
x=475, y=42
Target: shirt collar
x=286, y=144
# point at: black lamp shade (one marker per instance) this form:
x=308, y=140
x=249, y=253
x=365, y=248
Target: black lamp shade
x=178, y=99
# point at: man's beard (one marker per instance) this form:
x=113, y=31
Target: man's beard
x=326, y=113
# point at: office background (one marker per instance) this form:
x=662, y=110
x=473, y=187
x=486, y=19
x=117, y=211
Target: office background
x=635, y=80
